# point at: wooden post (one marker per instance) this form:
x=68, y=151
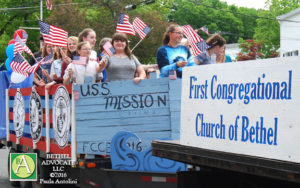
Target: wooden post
x=73, y=138
x=47, y=121
x=7, y=115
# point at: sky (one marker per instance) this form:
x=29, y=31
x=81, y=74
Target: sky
x=247, y=3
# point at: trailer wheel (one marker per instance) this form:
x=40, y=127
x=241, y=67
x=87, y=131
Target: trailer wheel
x=12, y=183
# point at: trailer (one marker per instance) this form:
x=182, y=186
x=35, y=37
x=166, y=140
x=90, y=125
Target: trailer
x=92, y=135
x=234, y=124
x=239, y=125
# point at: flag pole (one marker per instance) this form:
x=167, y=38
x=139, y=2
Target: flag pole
x=41, y=10
x=136, y=45
x=140, y=41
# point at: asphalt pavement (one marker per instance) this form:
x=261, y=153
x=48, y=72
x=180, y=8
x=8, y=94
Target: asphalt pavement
x=4, y=183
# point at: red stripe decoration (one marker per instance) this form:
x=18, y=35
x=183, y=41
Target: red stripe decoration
x=25, y=140
x=41, y=145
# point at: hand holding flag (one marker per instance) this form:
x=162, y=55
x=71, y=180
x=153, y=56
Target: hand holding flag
x=197, y=43
x=109, y=49
x=79, y=60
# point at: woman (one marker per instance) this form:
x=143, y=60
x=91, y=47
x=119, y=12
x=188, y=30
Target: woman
x=76, y=73
x=72, y=45
x=42, y=75
x=123, y=64
x=71, y=52
x=56, y=68
x=217, y=47
x=102, y=54
x=89, y=35
x=172, y=56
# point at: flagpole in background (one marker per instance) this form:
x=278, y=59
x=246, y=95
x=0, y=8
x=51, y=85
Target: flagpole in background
x=41, y=10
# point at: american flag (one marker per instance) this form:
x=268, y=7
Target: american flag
x=20, y=46
x=34, y=67
x=46, y=60
x=197, y=43
x=141, y=28
x=124, y=26
x=204, y=29
x=78, y=60
x=49, y=4
x=19, y=65
x=53, y=35
x=109, y=49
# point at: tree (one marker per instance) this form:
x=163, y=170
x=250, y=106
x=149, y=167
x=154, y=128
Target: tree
x=268, y=28
x=12, y=19
x=231, y=22
x=253, y=49
x=250, y=50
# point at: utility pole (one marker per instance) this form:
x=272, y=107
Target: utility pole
x=41, y=10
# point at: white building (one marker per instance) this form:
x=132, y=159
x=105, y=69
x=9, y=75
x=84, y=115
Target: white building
x=232, y=50
x=290, y=33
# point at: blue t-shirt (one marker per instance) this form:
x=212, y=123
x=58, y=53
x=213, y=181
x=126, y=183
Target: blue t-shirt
x=228, y=59
x=168, y=56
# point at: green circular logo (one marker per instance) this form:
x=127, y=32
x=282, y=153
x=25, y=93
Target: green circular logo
x=23, y=166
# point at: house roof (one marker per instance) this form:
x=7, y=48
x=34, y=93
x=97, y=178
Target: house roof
x=288, y=15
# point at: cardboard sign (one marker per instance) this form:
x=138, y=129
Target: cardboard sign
x=249, y=108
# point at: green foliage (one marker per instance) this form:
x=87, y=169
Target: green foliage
x=102, y=15
x=268, y=28
x=253, y=49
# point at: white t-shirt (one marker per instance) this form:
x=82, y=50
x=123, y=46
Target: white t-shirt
x=81, y=71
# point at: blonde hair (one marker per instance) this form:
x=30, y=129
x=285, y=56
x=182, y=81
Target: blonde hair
x=75, y=40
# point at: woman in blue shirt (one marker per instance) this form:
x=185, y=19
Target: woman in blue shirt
x=172, y=56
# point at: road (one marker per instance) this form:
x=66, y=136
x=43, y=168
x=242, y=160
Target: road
x=4, y=183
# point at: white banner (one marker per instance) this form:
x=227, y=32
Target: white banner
x=250, y=108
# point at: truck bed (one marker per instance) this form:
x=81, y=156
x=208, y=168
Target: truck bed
x=276, y=169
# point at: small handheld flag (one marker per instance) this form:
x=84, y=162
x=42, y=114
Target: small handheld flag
x=141, y=28
x=172, y=75
x=19, y=65
x=49, y=4
x=109, y=49
x=78, y=60
x=205, y=29
x=124, y=26
x=197, y=43
x=53, y=35
x=20, y=46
